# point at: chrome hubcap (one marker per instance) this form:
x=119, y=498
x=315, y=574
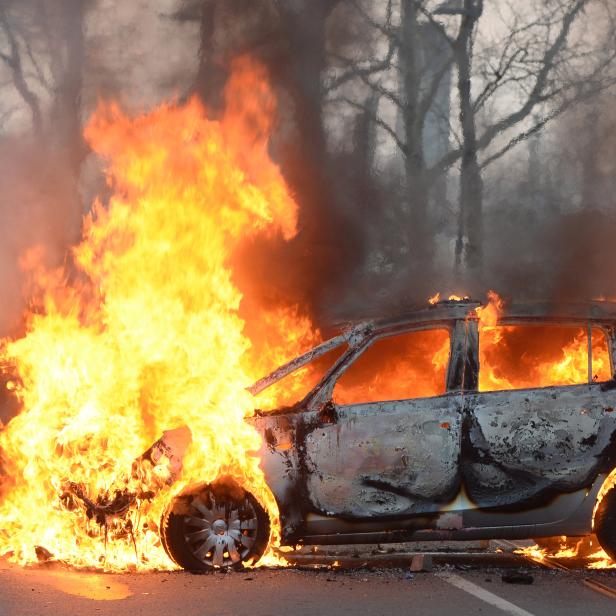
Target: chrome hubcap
x=220, y=535
x=219, y=527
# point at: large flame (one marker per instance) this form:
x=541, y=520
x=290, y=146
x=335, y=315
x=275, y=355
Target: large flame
x=518, y=357
x=141, y=333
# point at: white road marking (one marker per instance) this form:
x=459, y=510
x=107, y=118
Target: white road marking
x=481, y=593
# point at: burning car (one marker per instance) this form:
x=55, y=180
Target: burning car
x=456, y=421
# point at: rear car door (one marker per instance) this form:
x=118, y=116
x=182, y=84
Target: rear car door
x=538, y=429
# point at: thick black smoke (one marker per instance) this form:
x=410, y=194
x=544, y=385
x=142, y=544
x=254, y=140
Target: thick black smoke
x=548, y=220
x=548, y=215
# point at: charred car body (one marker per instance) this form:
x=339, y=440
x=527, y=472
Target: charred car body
x=461, y=464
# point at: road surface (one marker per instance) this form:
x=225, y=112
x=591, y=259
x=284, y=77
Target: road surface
x=445, y=591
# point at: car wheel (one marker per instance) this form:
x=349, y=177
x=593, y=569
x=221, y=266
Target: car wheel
x=213, y=526
x=605, y=523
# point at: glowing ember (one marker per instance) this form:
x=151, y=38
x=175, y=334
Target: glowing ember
x=436, y=298
x=141, y=334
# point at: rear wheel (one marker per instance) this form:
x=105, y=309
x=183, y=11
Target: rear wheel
x=215, y=526
x=605, y=523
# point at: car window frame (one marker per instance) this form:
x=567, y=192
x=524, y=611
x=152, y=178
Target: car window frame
x=302, y=402
x=323, y=393
x=609, y=331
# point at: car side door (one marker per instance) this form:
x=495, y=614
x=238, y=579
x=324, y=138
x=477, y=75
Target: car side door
x=522, y=447
x=387, y=441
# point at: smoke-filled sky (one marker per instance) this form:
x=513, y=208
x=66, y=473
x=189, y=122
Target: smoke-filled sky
x=547, y=216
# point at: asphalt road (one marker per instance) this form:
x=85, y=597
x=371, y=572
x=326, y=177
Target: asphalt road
x=445, y=591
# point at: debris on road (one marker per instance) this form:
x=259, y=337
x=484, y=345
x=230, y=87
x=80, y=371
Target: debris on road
x=422, y=562
x=517, y=577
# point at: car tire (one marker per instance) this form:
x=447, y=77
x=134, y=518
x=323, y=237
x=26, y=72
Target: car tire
x=605, y=523
x=214, y=526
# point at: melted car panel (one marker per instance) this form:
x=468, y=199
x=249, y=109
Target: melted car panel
x=432, y=464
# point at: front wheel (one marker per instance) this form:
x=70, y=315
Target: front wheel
x=605, y=523
x=217, y=525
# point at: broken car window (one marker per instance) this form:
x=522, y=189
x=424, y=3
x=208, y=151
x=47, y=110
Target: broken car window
x=292, y=388
x=411, y=365
x=525, y=356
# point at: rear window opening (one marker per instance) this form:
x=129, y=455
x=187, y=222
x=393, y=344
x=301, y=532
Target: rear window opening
x=527, y=356
x=411, y=365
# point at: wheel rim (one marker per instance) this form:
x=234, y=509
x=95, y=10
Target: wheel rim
x=220, y=535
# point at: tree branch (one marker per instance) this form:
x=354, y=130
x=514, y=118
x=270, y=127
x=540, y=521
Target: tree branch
x=387, y=30
x=535, y=96
x=355, y=71
x=13, y=62
x=373, y=115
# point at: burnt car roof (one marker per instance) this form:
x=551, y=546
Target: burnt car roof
x=597, y=310
x=601, y=312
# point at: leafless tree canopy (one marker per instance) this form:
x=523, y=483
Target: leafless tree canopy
x=433, y=145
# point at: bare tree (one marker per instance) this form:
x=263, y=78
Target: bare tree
x=541, y=64
x=42, y=46
x=471, y=182
x=541, y=67
x=409, y=76
x=11, y=56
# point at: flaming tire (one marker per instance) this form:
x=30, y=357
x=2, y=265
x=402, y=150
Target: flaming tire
x=215, y=526
x=605, y=523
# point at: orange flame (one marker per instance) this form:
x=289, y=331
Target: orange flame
x=142, y=333
x=570, y=547
x=517, y=357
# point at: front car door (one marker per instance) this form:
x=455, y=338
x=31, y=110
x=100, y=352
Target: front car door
x=386, y=442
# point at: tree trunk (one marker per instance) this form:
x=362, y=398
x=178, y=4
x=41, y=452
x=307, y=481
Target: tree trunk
x=590, y=161
x=469, y=245
x=63, y=26
x=211, y=75
x=419, y=236
x=66, y=110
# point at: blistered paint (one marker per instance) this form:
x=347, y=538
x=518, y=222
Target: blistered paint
x=386, y=459
x=518, y=444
